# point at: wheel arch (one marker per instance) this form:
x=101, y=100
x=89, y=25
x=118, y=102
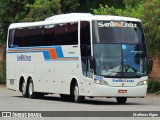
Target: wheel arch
x=73, y=82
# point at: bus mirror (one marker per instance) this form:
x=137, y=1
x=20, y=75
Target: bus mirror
x=92, y=63
x=150, y=64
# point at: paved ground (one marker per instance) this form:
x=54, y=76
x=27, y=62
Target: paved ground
x=12, y=101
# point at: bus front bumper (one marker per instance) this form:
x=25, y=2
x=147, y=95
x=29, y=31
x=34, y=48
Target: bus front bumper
x=109, y=91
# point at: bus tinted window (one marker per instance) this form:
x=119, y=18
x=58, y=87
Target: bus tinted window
x=26, y=37
x=72, y=33
x=117, y=32
x=85, y=44
x=48, y=35
x=20, y=37
x=36, y=36
x=57, y=34
x=85, y=39
x=60, y=34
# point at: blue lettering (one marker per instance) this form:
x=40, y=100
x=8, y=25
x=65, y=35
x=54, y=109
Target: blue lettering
x=23, y=58
x=121, y=80
x=98, y=77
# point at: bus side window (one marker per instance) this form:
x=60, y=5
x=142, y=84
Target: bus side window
x=48, y=35
x=72, y=33
x=36, y=36
x=20, y=37
x=16, y=39
x=28, y=36
x=60, y=34
x=11, y=38
x=85, y=44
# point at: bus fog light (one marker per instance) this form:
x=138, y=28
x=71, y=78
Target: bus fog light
x=102, y=82
x=144, y=82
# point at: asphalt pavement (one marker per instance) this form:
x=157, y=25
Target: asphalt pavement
x=13, y=101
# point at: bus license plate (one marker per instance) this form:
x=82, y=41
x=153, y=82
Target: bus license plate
x=122, y=91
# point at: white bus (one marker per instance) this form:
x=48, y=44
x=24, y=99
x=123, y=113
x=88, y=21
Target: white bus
x=78, y=55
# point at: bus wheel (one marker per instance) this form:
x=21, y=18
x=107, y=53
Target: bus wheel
x=24, y=90
x=121, y=100
x=76, y=96
x=31, y=92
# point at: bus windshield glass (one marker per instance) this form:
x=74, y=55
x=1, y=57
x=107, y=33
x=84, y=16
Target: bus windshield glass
x=117, y=32
x=119, y=49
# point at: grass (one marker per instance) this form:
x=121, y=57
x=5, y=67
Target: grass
x=153, y=86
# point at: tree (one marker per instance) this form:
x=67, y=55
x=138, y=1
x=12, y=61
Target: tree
x=87, y=5
x=152, y=25
x=69, y=5
x=106, y=10
x=11, y=11
x=42, y=9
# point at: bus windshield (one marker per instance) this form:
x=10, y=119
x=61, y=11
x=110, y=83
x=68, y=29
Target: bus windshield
x=117, y=32
x=119, y=49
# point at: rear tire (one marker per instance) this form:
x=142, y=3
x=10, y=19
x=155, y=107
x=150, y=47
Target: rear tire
x=24, y=90
x=121, y=100
x=76, y=97
x=31, y=92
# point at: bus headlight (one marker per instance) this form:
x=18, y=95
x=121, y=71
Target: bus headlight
x=101, y=82
x=144, y=82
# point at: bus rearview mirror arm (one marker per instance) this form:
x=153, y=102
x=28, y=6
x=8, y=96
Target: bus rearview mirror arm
x=92, y=65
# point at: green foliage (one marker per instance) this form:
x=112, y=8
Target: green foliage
x=87, y=5
x=105, y=10
x=2, y=71
x=69, y=5
x=132, y=3
x=151, y=20
x=11, y=11
x=42, y=9
x=153, y=86
x=128, y=11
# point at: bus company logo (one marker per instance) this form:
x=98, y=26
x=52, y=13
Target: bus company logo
x=23, y=58
x=123, y=80
x=117, y=24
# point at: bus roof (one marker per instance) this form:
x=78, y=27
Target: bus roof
x=91, y=16
x=72, y=17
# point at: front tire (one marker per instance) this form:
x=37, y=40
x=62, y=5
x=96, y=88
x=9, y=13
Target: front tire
x=121, y=100
x=76, y=96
